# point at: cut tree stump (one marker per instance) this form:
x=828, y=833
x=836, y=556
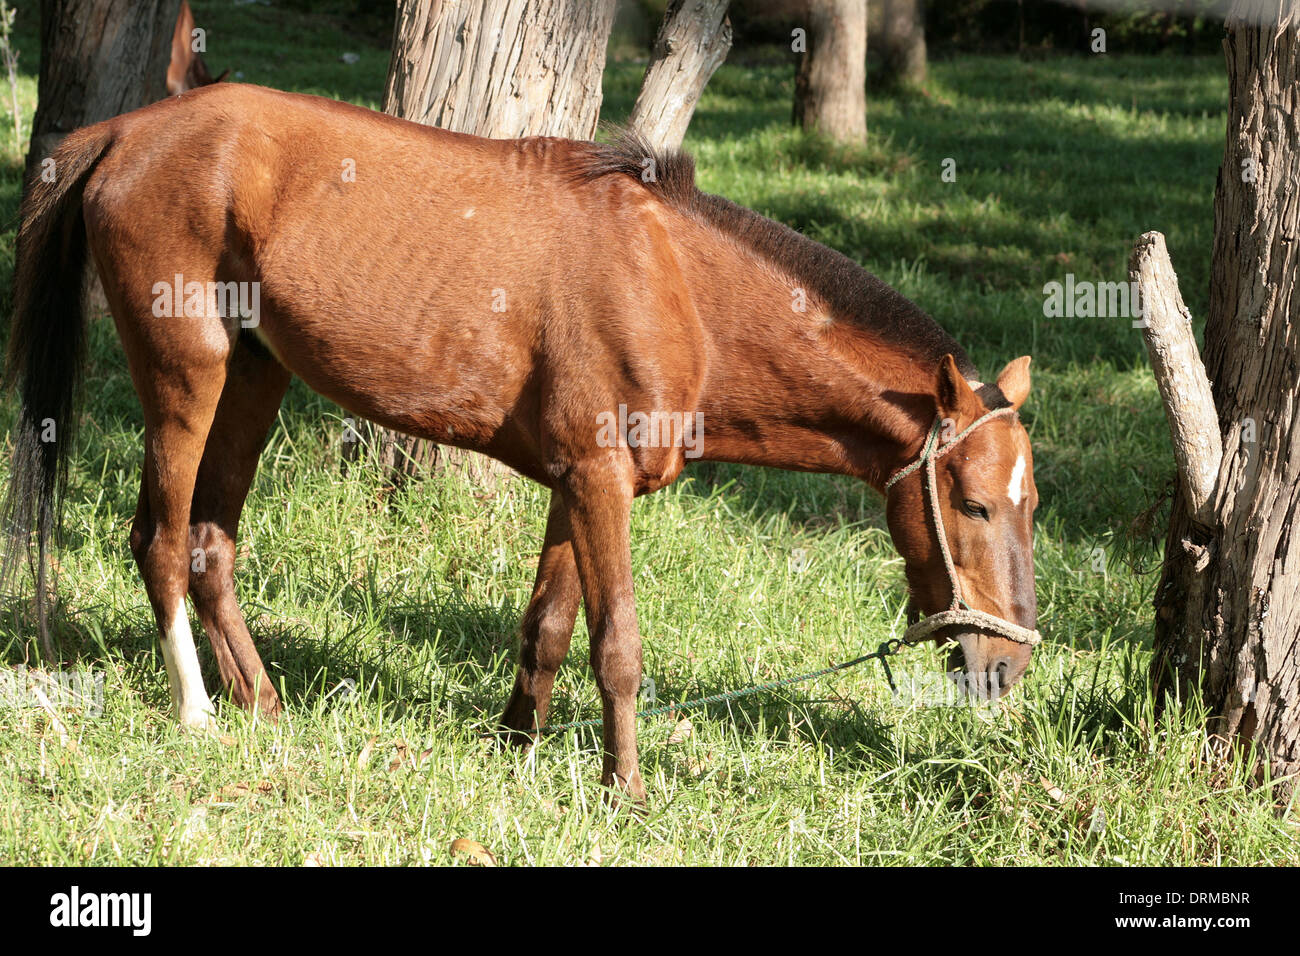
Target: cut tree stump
x=693, y=40
x=1180, y=375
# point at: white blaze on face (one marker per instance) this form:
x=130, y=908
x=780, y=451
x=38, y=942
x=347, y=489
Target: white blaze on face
x=1016, y=487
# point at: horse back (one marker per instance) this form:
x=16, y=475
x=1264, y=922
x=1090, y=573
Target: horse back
x=471, y=291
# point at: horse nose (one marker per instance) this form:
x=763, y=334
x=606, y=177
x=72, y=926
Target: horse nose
x=1003, y=674
x=998, y=675
x=989, y=667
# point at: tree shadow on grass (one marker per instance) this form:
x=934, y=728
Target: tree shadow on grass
x=471, y=650
x=439, y=654
x=456, y=664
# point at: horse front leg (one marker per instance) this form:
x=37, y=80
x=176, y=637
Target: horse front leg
x=599, y=500
x=546, y=631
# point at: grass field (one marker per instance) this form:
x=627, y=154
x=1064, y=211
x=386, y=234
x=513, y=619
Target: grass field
x=743, y=575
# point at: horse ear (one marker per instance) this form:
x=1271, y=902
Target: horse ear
x=1014, y=381
x=957, y=400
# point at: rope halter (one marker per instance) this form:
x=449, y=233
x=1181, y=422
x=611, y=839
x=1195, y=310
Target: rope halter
x=958, y=612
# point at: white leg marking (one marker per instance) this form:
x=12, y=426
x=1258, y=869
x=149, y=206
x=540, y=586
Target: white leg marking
x=1016, y=488
x=189, y=698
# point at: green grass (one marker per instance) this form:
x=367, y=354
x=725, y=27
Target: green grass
x=415, y=596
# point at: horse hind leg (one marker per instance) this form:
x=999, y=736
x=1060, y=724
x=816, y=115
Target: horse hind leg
x=547, y=629
x=255, y=385
x=179, y=389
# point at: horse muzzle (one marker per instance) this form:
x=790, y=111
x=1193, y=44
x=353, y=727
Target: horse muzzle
x=987, y=665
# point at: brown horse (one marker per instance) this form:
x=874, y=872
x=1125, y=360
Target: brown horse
x=580, y=312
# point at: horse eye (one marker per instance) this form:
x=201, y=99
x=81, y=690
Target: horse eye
x=975, y=509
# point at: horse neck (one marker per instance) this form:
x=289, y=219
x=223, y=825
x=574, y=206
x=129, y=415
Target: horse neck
x=802, y=390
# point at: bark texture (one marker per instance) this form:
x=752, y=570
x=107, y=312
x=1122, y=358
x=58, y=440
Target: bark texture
x=498, y=68
x=99, y=58
x=1228, y=605
x=830, y=85
x=693, y=40
x=1184, y=388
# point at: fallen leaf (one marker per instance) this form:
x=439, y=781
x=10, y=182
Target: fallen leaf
x=1052, y=789
x=400, y=757
x=315, y=858
x=363, y=758
x=681, y=732
x=239, y=791
x=475, y=853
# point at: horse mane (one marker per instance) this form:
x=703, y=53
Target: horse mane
x=851, y=291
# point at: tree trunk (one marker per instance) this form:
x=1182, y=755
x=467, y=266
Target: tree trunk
x=1228, y=604
x=496, y=68
x=693, y=41
x=500, y=68
x=99, y=58
x=902, y=36
x=830, y=95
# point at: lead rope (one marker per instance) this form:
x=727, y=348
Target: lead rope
x=887, y=649
x=959, y=612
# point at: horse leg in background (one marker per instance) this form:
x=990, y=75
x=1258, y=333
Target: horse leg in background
x=255, y=385
x=546, y=630
x=598, y=494
x=179, y=380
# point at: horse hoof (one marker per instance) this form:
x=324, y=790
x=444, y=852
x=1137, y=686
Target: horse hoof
x=618, y=794
x=199, y=719
x=269, y=709
x=514, y=737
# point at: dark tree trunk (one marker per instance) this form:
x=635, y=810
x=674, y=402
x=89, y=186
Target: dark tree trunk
x=495, y=68
x=693, y=41
x=830, y=95
x=99, y=58
x=902, y=40
x=1228, y=605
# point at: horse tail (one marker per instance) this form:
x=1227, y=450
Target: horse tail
x=47, y=348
